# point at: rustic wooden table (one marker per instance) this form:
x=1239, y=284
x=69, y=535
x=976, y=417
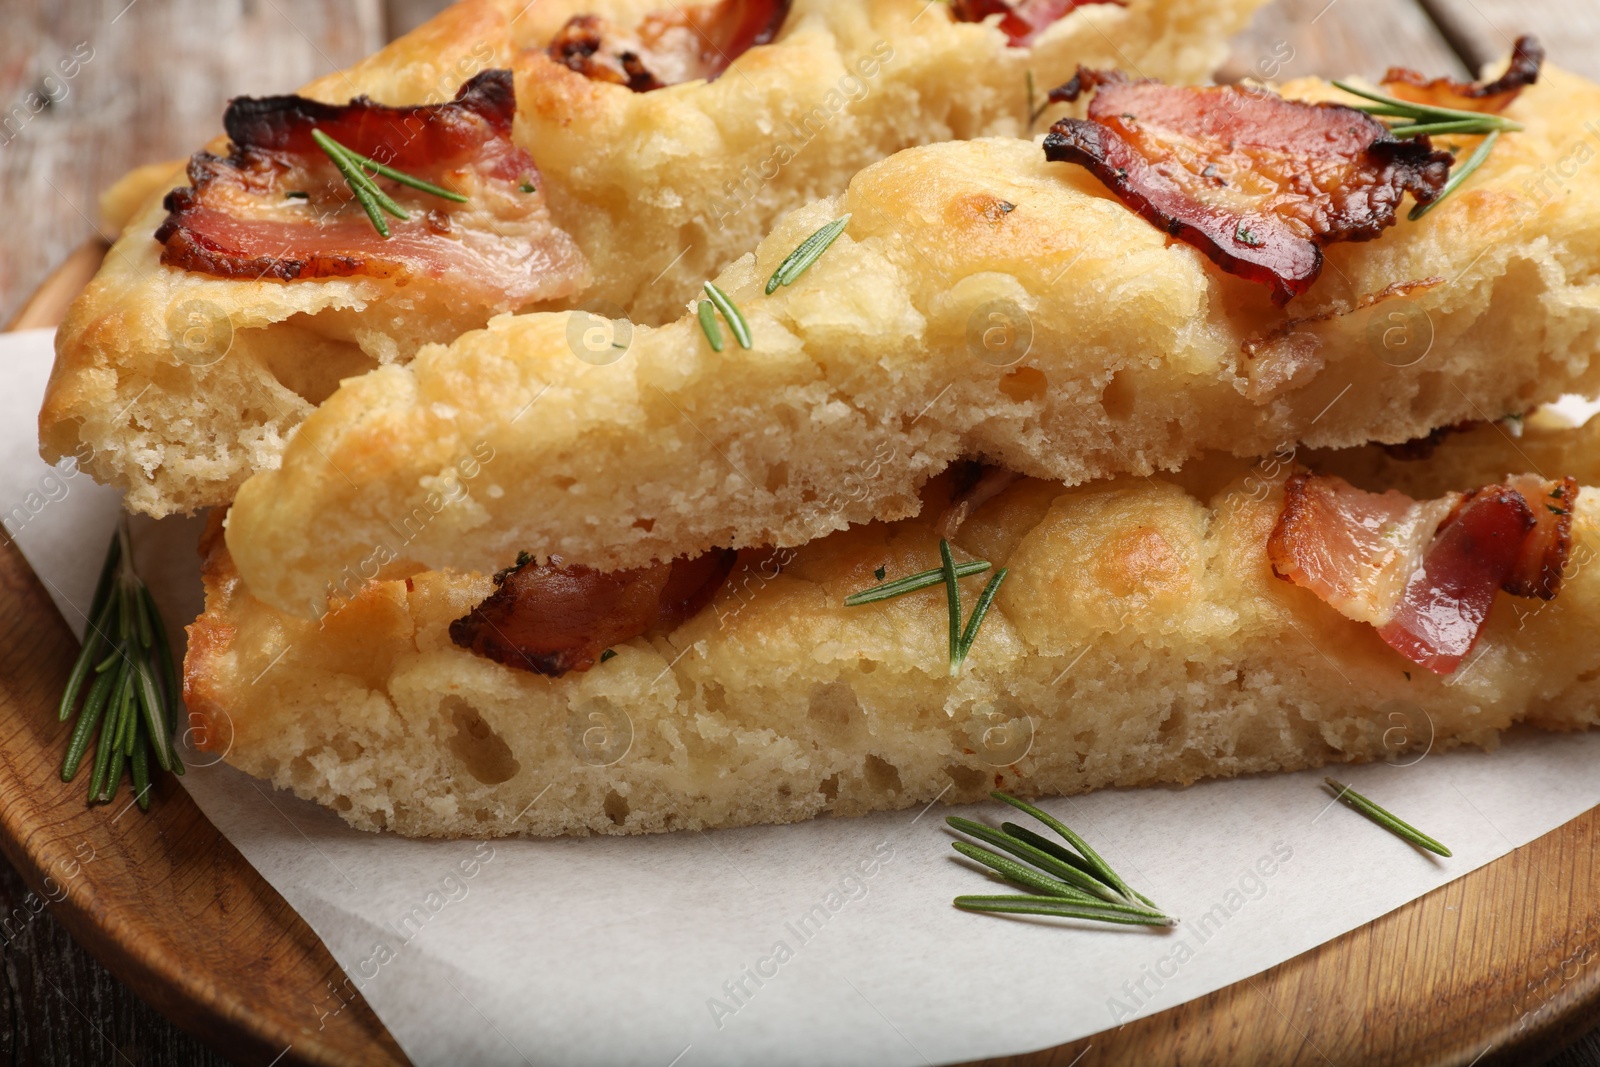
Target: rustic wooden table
x=90, y=88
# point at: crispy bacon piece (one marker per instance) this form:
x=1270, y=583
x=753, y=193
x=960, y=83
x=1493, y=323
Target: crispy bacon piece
x=1425, y=574
x=669, y=46
x=276, y=207
x=551, y=618
x=1256, y=182
x=1022, y=21
x=1537, y=572
x=1527, y=56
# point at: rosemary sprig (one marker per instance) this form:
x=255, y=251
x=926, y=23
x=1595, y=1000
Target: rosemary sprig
x=132, y=701
x=731, y=312
x=708, y=325
x=1464, y=171
x=1424, y=119
x=1075, y=882
x=912, y=583
x=948, y=572
x=1351, y=799
x=354, y=166
x=388, y=171
x=961, y=641
x=809, y=251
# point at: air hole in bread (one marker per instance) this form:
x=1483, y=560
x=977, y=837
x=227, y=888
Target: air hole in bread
x=483, y=752
x=616, y=808
x=1174, y=723
x=304, y=362
x=881, y=775
x=830, y=787
x=834, y=705
x=968, y=780
x=1025, y=385
x=777, y=476
x=1117, y=398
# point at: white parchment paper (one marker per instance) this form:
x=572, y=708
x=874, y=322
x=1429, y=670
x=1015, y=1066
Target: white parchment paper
x=828, y=942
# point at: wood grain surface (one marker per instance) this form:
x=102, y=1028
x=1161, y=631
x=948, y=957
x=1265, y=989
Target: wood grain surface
x=1502, y=966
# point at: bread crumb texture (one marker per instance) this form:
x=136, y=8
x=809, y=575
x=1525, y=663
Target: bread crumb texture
x=1141, y=638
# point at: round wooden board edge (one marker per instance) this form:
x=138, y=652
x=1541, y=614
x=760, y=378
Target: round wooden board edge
x=237, y=968
x=1228, y=1025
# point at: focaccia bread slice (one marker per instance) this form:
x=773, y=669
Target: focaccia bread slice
x=174, y=384
x=1140, y=637
x=982, y=302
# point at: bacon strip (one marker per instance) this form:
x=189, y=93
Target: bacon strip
x=1446, y=601
x=1258, y=183
x=1527, y=56
x=238, y=220
x=1425, y=574
x=668, y=47
x=551, y=618
x=1021, y=21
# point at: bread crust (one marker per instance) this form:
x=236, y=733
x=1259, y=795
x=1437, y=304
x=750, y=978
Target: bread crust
x=1141, y=638
x=873, y=369
x=636, y=179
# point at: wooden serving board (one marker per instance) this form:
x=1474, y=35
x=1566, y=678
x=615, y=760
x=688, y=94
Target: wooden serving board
x=1501, y=966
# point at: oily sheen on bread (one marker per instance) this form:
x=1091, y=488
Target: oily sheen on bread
x=1140, y=638
x=174, y=385
x=1115, y=349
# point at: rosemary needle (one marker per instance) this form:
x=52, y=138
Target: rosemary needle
x=979, y=612
x=1020, y=904
x=912, y=583
x=1350, y=798
x=809, y=251
x=1417, y=129
x=93, y=708
x=730, y=311
x=953, y=597
x=1394, y=107
x=1464, y=171
x=1012, y=871
x=708, y=325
